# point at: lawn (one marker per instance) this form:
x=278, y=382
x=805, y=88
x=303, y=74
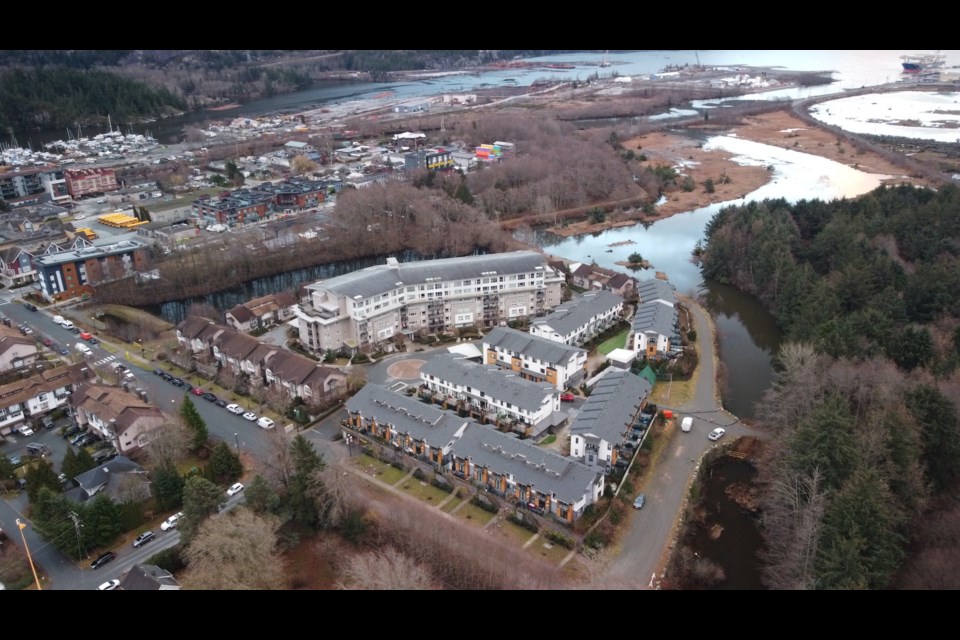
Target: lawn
x=473, y=513
x=516, y=532
x=423, y=490
x=618, y=341
x=674, y=394
x=380, y=470
x=450, y=506
x=555, y=554
x=550, y=439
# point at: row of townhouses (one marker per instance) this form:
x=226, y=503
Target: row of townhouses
x=117, y=416
x=38, y=395
x=535, y=358
x=655, y=329
x=578, y=321
x=263, y=201
x=370, y=306
x=16, y=351
x=504, y=465
x=603, y=424
x=496, y=394
x=263, y=312
x=265, y=364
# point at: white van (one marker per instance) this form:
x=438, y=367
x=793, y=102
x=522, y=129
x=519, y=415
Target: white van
x=83, y=349
x=66, y=324
x=686, y=424
x=58, y=319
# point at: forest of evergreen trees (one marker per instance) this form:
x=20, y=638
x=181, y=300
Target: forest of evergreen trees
x=863, y=408
x=60, y=97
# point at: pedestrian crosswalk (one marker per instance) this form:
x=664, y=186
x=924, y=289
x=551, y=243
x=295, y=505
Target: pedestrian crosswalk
x=103, y=361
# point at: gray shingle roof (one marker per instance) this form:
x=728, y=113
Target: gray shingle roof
x=491, y=380
x=529, y=464
x=655, y=288
x=382, y=278
x=530, y=346
x=575, y=313
x=612, y=404
x=423, y=422
x=655, y=316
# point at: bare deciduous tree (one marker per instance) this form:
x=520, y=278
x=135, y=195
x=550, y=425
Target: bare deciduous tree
x=386, y=569
x=235, y=550
x=169, y=444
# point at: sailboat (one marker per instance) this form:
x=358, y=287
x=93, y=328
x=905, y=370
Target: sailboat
x=605, y=62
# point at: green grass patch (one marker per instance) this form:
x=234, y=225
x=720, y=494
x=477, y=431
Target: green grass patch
x=555, y=554
x=617, y=341
x=473, y=513
x=516, y=532
x=550, y=439
x=423, y=490
x=450, y=506
x=379, y=470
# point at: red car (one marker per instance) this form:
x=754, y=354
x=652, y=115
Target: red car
x=567, y=397
x=197, y=391
x=86, y=335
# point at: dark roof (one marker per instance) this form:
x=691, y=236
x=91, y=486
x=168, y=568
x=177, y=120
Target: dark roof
x=240, y=313
x=573, y=314
x=495, y=382
x=147, y=577
x=655, y=316
x=531, y=346
x=99, y=476
x=613, y=403
x=192, y=326
x=655, y=288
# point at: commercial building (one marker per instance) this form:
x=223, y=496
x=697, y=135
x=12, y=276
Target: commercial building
x=371, y=306
x=84, y=182
x=30, y=185
x=69, y=273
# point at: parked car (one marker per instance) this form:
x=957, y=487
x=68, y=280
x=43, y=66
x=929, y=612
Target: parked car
x=172, y=521
x=250, y=415
x=158, y=372
x=16, y=460
x=640, y=501
x=221, y=403
x=94, y=341
x=47, y=342
x=144, y=538
x=103, y=559
x=109, y=585
x=197, y=391
x=177, y=382
x=567, y=397
x=265, y=423
x=72, y=430
x=686, y=424
x=234, y=408
x=77, y=438
x=209, y=397
x=86, y=335
x=717, y=433
x=47, y=422
x=64, y=351
x=25, y=430
x=30, y=306
x=67, y=324
x=234, y=489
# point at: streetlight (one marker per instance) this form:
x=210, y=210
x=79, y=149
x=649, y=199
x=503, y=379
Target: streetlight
x=237, y=438
x=29, y=557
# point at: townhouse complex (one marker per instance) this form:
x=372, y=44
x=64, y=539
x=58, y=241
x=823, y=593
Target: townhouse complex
x=579, y=320
x=535, y=358
x=655, y=329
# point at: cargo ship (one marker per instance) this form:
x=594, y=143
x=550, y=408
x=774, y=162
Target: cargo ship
x=923, y=62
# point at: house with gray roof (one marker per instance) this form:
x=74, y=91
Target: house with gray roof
x=419, y=429
x=518, y=469
x=593, y=277
x=654, y=330
x=656, y=289
x=369, y=307
x=496, y=394
x=121, y=479
x=535, y=358
x=605, y=419
x=579, y=320
x=148, y=577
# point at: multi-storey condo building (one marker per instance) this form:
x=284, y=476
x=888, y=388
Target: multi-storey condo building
x=581, y=319
x=81, y=182
x=535, y=358
x=601, y=427
x=33, y=184
x=66, y=274
x=370, y=306
x=655, y=328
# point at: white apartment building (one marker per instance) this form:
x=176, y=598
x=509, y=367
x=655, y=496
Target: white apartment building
x=578, y=320
x=535, y=358
x=373, y=305
x=494, y=392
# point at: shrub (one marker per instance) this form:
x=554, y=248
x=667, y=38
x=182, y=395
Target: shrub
x=708, y=185
x=419, y=474
x=396, y=464
x=483, y=504
x=526, y=523
x=558, y=538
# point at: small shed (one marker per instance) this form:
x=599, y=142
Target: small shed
x=621, y=358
